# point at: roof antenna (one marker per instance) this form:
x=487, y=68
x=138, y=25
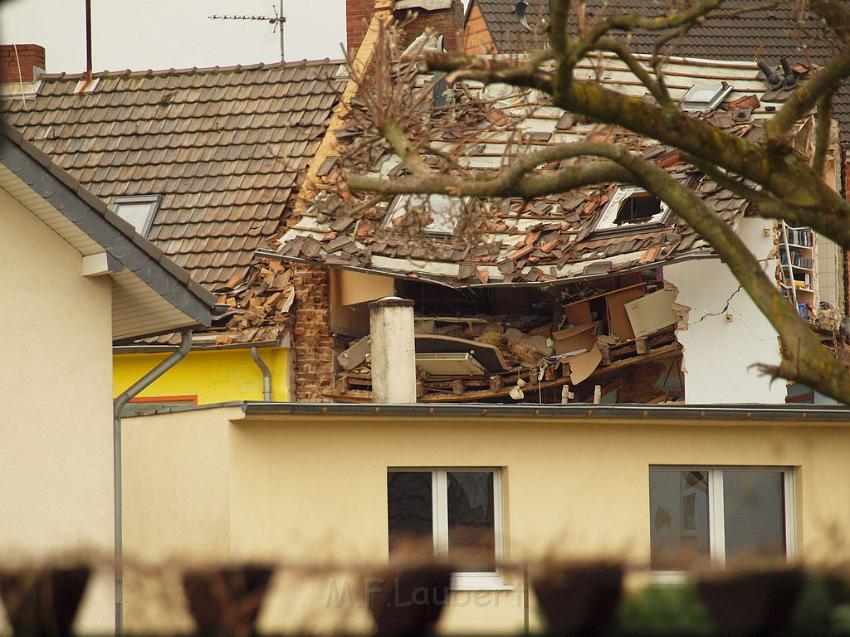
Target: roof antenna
x=88, y=41
x=278, y=20
x=519, y=11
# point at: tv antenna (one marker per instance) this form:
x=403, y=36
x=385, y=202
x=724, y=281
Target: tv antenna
x=278, y=20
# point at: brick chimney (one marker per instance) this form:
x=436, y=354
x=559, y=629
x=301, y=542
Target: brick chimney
x=444, y=17
x=357, y=16
x=29, y=58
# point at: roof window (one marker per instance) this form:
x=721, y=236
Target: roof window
x=705, y=97
x=632, y=207
x=138, y=210
x=433, y=214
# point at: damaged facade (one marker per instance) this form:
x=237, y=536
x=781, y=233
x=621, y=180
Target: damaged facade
x=595, y=296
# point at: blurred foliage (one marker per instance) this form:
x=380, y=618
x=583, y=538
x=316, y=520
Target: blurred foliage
x=663, y=610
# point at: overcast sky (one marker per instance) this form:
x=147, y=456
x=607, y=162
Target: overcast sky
x=143, y=34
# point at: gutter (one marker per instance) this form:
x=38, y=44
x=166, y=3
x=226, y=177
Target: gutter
x=768, y=414
x=118, y=405
x=267, y=375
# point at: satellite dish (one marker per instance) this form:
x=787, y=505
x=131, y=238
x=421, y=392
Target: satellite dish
x=520, y=12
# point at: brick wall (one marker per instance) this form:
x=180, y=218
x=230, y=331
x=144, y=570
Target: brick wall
x=312, y=340
x=476, y=35
x=29, y=56
x=357, y=16
x=448, y=22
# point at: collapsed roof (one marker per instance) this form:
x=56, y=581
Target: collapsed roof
x=562, y=237
x=768, y=32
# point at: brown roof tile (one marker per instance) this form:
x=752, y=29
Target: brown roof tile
x=222, y=145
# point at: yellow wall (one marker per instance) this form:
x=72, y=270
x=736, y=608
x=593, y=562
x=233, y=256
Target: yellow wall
x=56, y=423
x=314, y=489
x=213, y=376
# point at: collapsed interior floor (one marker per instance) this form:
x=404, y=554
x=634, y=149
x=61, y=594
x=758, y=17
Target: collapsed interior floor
x=610, y=340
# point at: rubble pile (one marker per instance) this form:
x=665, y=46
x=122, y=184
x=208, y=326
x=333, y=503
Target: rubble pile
x=568, y=355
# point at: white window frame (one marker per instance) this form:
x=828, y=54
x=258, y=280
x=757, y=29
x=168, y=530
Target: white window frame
x=464, y=580
x=609, y=215
x=401, y=205
x=721, y=90
x=153, y=201
x=716, y=518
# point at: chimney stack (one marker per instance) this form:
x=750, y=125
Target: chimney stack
x=443, y=17
x=29, y=58
x=393, y=351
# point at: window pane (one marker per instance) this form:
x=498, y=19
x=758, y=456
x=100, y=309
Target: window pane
x=754, y=510
x=410, y=512
x=678, y=505
x=136, y=213
x=472, y=538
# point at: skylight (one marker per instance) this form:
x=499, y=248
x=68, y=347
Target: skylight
x=433, y=214
x=705, y=97
x=139, y=210
x=630, y=207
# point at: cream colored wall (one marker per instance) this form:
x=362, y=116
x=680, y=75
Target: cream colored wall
x=296, y=490
x=176, y=510
x=315, y=489
x=55, y=380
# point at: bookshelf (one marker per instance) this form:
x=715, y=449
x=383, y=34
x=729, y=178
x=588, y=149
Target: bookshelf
x=797, y=264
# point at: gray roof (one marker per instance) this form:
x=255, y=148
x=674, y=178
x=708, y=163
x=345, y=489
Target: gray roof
x=133, y=254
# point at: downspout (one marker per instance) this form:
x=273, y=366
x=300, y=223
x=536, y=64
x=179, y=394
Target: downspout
x=118, y=405
x=267, y=375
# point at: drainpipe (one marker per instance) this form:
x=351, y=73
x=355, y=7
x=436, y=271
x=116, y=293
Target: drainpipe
x=118, y=405
x=267, y=375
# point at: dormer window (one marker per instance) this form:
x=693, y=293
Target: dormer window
x=138, y=211
x=705, y=97
x=632, y=207
x=432, y=214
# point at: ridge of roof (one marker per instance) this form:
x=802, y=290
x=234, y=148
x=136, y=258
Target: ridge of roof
x=97, y=205
x=194, y=69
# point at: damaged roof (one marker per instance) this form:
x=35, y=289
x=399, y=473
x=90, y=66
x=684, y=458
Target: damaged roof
x=547, y=239
x=224, y=147
x=769, y=32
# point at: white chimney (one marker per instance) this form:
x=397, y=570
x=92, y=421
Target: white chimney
x=393, y=351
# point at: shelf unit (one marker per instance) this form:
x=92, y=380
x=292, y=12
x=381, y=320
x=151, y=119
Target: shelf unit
x=797, y=261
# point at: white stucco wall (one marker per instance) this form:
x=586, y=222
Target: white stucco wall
x=718, y=352
x=55, y=386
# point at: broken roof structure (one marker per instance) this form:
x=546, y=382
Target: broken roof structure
x=151, y=294
x=221, y=149
x=557, y=238
x=738, y=31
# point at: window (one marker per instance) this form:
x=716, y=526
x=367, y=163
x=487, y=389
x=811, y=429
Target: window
x=433, y=214
x=454, y=513
x=705, y=97
x=632, y=207
x=139, y=211
x=703, y=516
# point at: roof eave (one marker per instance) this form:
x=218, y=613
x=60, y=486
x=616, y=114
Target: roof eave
x=115, y=236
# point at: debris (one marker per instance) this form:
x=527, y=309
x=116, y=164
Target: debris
x=652, y=312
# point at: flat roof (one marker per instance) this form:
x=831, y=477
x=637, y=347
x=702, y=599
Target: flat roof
x=737, y=412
